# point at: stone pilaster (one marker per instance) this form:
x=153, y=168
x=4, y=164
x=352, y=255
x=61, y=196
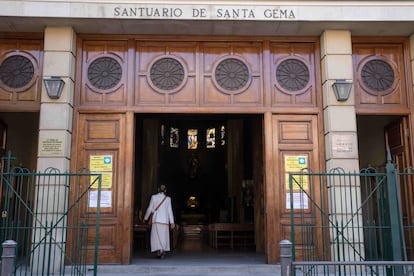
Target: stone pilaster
x=341, y=140
x=340, y=117
x=55, y=126
x=54, y=147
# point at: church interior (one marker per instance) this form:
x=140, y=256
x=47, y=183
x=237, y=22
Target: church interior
x=211, y=167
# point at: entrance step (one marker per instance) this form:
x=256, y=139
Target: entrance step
x=188, y=269
x=192, y=261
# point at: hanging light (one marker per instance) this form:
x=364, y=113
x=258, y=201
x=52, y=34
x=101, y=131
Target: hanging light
x=54, y=86
x=342, y=89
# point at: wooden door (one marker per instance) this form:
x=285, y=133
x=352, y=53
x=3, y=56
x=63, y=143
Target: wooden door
x=293, y=136
x=397, y=142
x=106, y=135
x=396, y=139
x=3, y=142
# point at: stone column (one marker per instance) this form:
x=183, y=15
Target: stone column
x=54, y=147
x=341, y=142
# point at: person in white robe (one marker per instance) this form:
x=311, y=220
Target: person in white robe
x=162, y=221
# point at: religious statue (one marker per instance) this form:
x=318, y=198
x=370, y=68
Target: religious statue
x=194, y=166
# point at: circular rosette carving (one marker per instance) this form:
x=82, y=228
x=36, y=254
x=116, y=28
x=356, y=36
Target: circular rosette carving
x=17, y=72
x=167, y=75
x=232, y=75
x=378, y=76
x=104, y=73
x=292, y=75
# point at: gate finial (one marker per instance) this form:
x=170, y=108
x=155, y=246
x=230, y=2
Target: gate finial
x=8, y=159
x=388, y=154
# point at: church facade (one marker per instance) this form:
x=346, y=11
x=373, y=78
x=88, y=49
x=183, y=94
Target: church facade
x=251, y=84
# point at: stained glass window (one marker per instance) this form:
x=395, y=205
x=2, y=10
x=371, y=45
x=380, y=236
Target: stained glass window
x=192, y=142
x=222, y=135
x=211, y=138
x=174, y=137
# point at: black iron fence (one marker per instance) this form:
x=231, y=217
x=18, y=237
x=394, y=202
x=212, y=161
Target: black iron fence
x=352, y=223
x=46, y=214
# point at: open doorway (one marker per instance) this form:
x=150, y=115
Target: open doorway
x=213, y=168
x=376, y=133
x=19, y=135
x=18, y=145
x=381, y=139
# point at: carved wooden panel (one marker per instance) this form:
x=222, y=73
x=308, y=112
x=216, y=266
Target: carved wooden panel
x=231, y=74
x=166, y=73
x=107, y=233
x=103, y=135
x=379, y=75
x=303, y=248
x=295, y=132
x=293, y=74
x=152, y=74
x=104, y=72
x=102, y=131
x=21, y=62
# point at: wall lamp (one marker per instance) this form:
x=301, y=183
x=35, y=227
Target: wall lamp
x=54, y=86
x=342, y=89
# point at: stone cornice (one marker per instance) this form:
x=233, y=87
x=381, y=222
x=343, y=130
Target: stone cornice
x=225, y=10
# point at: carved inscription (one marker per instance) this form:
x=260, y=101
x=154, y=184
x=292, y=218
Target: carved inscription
x=215, y=12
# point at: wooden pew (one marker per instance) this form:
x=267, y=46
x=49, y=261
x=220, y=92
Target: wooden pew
x=141, y=235
x=231, y=235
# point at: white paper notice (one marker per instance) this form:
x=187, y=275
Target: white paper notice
x=300, y=201
x=106, y=199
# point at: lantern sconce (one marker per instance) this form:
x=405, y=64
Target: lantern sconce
x=54, y=86
x=342, y=89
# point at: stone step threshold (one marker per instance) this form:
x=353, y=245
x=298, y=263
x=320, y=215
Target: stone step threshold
x=228, y=269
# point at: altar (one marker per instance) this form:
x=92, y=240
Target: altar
x=193, y=218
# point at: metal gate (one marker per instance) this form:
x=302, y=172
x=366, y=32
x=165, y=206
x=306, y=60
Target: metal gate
x=352, y=223
x=48, y=216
